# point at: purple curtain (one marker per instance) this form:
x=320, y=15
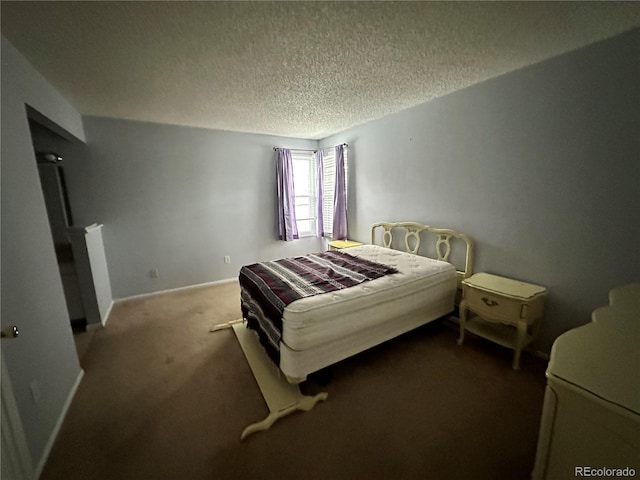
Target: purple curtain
x=340, y=199
x=319, y=196
x=287, y=228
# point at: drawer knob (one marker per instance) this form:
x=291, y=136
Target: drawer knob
x=489, y=302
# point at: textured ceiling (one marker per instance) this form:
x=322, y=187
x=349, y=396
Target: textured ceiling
x=300, y=69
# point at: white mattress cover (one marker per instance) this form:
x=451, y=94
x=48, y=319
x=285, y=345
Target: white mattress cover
x=319, y=319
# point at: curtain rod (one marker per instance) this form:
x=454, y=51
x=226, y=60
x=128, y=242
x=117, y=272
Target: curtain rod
x=303, y=149
x=275, y=149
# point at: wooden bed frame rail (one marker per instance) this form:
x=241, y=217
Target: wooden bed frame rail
x=412, y=236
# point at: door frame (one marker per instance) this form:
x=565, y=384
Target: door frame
x=16, y=459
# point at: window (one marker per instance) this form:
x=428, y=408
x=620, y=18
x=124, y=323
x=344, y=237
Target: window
x=304, y=179
x=305, y=186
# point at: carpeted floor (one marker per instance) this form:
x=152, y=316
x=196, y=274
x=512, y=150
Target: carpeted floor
x=162, y=398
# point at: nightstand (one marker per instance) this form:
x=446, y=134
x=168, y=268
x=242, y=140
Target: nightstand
x=507, y=312
x=340, y=244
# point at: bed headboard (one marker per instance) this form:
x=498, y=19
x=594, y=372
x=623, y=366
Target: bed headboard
x=414, y=233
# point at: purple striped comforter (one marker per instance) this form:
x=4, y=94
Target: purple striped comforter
x=268, y=287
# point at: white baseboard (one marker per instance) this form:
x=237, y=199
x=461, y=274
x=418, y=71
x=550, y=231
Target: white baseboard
x=98, y=325
x=93, y=326
x=56, y=428
x=105, y=319
x=189, y=287
x=541, y=354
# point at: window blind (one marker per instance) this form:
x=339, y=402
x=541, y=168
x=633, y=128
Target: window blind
x=329, y=186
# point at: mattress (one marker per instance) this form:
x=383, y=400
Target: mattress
x=297, y=364
x=323, y=319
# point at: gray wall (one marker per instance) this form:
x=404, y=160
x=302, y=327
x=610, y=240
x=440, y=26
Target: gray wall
x=32, y=295
x=179, y=199
x=540, y=166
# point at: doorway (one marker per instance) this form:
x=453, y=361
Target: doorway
x=50, y=152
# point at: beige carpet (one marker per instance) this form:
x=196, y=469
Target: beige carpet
x=162, y=398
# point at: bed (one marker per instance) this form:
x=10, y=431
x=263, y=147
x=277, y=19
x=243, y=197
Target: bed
x=426, y=264
x=418, y=270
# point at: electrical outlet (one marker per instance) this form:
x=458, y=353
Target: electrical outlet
x=227, y=259
x=35, y=391
x=154, y=273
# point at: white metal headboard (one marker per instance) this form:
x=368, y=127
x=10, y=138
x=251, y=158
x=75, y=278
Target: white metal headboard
x=412, y=235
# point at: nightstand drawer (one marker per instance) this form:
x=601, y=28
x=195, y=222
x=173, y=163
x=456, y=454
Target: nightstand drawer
x=492, y=306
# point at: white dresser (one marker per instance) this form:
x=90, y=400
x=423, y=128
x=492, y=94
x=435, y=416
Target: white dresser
x=591, y=417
